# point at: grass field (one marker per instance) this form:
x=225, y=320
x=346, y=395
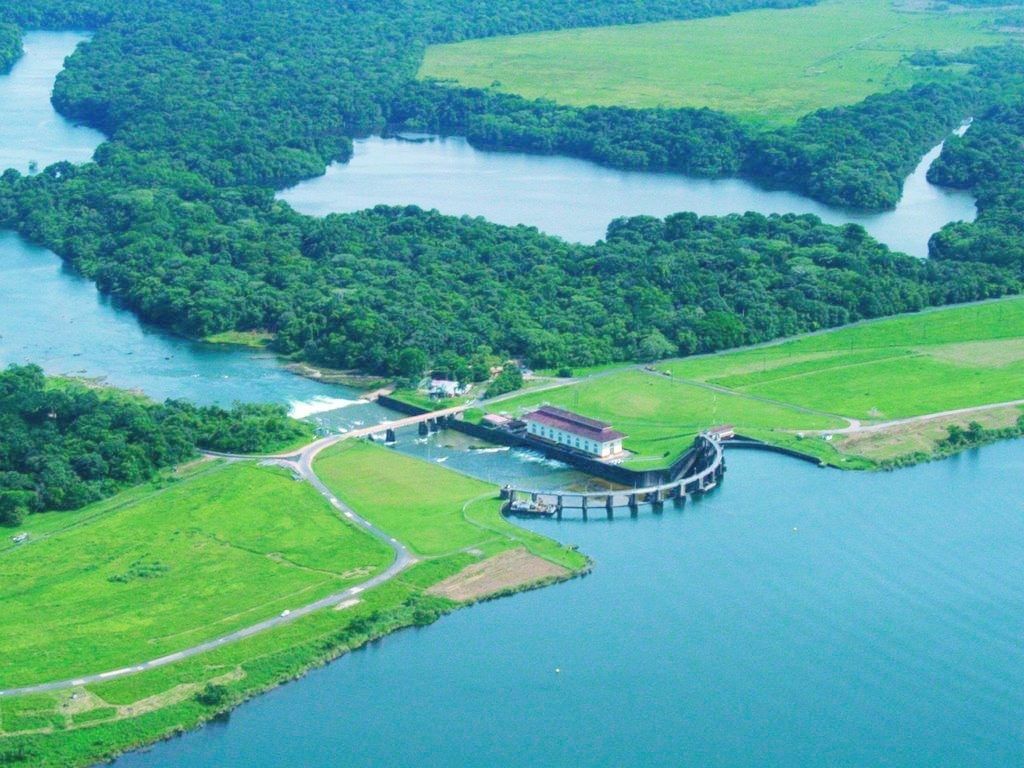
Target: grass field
x=431, y=509
x=662, y=415
x=768, y=66
x=238, y=541
x=152, y=571
x=891, y=369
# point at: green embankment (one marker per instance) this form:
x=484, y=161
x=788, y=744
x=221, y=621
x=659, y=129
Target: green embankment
x=231, y=535
x=145, y=574
x=884, y=370
x=662, y=415
x=888, y=369
x=769, y=66
x=433, y=510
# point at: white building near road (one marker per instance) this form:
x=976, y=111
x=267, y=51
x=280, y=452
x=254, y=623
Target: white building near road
x=571, y=430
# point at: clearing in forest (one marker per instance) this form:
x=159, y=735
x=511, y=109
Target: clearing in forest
x=767, y=66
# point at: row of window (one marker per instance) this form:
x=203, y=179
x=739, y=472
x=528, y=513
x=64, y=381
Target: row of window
x=561, y=437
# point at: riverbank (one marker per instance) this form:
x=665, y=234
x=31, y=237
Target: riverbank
x=95, y=721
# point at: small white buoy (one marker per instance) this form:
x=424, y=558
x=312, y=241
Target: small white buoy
x=794, y=529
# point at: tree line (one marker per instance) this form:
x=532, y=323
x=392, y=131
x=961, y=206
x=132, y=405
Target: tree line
x=64, y=445
x=10, y=46
x=209, y=106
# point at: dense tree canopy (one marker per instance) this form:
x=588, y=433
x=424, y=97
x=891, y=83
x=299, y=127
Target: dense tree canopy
x=10, y=46
x=63, y=445
x=988, y=162
x=210, y=105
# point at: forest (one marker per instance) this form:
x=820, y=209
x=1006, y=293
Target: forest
x=64, y=445
x=211, y=106
x=10, y=46
x=987, y=161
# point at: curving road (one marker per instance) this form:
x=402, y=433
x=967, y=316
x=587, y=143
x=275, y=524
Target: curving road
x=301, y=463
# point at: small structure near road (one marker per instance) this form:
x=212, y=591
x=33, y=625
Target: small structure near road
x=21, y=538
x=445, y=388
x=722, y=432
x=570, y=430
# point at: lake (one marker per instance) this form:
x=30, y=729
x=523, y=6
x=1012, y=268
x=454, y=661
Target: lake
x=797, y=616
x=576, y=199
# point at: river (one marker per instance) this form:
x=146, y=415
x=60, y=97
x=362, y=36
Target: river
x=31, y=131
x=576, y=199
x=796, y=616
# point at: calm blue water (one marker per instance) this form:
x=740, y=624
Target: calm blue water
x=796, y=617
x=30, y=129
x=576, y=199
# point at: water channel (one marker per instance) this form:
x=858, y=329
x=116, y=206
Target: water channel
x=576, y=199
x=796, y=616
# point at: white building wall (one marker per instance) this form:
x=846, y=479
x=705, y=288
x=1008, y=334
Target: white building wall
x=570, y=440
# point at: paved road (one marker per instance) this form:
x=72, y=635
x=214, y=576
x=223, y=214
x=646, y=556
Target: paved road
x=858, y=427
x=302, y=463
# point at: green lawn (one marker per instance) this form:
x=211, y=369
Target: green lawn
x=895, y=368
x=236, y=537
x=769, y=66
x=431, y=509
x=662, y=415
x=151, y=571
x=889, y=369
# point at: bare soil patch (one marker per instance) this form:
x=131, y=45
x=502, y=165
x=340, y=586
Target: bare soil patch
x=985, y=354
x=901, y=439
x=508, y=570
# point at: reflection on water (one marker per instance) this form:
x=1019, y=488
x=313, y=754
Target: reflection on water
x=576, y=199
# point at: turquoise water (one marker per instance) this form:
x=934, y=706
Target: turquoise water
x=576, y=199
x=31, y=131
x=57, y=319
x=796, y=617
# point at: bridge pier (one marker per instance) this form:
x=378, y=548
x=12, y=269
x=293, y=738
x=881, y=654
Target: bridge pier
x=583, y=500
x=678, y=496
x=657, y=503
x=609, y=505
x=389, y=437
x=423, y=429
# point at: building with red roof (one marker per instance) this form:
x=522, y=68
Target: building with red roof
x=570, y=430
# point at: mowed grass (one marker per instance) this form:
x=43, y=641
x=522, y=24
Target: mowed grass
x=434, y=511
x=896, y=368
x=662, y=415
x=151, y=571
x=769, y=66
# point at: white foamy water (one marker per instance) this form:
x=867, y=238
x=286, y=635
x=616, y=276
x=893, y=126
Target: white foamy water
x=531, y=457
x=301, y=409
